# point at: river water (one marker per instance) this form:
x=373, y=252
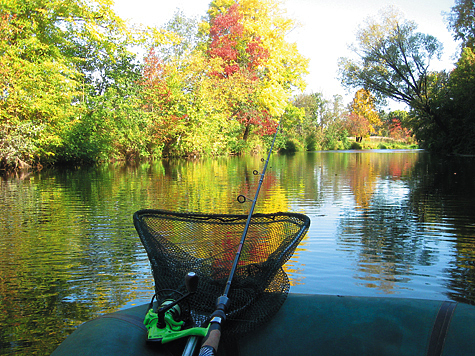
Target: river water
x=383, y=223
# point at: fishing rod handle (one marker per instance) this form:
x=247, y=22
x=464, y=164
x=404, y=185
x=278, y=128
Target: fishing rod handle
x=211, y=343
x=211, y=340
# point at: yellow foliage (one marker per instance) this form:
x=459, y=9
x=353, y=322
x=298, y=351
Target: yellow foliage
x=284, y=68
x=273, y=97
x=285, y=65
x=363, y=105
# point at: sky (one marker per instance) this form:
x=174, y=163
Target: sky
x=327, y=28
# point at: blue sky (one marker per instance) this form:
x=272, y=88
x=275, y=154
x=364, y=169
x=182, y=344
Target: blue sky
x=327, y=28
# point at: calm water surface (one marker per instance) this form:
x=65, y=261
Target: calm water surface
x=384, y=223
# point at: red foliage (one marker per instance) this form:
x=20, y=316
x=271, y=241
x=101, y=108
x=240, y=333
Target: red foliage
x=163, y=129
x=396, y=130
x=250, y=115
x=242, y=53
x=257, y=54
x=159, y=98
x=225, y=32
x=357, y=125
x=229, y=42
x=154, y=81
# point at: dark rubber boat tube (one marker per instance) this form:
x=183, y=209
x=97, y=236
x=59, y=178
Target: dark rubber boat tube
x=307, y=325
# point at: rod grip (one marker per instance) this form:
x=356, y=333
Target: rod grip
x=210, y=344
x=211, y=341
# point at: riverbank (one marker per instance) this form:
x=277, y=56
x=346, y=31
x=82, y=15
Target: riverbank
x=381, y=143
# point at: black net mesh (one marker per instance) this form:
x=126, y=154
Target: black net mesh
x=178, y=243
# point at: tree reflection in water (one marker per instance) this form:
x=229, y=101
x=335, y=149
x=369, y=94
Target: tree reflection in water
x=400, y=223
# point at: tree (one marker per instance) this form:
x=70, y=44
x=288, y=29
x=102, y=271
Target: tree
x=322, y=126
x=357, y=126
x=182, y=96
x=396, y=124
x=315, y=107
x=454, y=101
x=242, y=55
x=165, y=100
x=397, y=130
x=37, y=82
x=461, y=21
x=248, y=37
x=184, y=38
x=61, y=63
x=365, y=115
x=394, y=63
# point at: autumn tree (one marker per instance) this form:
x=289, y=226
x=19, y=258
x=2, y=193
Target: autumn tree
x=71, y=90
x=248, y=39
x=241, y=56
x=181, y=96
x=164, y=98
x=394, y=63
x=357, y=126
x=363, y=117
x=397, y=125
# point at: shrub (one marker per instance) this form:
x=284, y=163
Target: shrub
x=311, y=142
x=292, y=145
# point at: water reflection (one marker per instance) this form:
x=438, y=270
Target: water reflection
x=392, y=223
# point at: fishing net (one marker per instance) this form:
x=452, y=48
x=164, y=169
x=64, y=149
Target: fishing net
x=178, y=243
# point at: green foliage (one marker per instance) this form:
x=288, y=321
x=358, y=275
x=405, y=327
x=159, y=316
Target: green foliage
x=60, y=62
x=18, y=144
x=37, y=82
x=462, y=88
x=322, y=126
x=71, y=91
x=312, y=142
x=452, y=99
x=186, y=31
x=460, y=20
x=395, y=64
x=292, y=145
x=335, y=138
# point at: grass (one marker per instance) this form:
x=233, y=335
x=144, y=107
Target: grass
x=381, y=143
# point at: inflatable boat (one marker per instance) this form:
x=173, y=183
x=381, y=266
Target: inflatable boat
x=262, y=318
x=305, y=325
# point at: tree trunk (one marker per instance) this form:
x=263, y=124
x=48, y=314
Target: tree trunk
x=246, y=133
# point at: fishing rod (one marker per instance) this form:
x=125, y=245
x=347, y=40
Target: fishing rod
x=164, y=323
x=210, y=343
